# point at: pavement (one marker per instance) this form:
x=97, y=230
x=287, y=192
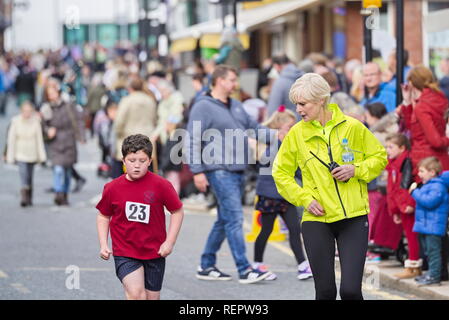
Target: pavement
x=380, y=275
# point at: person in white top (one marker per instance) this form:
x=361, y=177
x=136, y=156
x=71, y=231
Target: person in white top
x=25, y=147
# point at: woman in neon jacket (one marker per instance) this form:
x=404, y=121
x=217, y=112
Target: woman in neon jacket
x=337, y=156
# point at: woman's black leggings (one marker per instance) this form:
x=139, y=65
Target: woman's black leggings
x=351, y=236
x=291, y=219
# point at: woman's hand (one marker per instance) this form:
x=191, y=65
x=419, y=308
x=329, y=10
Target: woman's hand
x=51, y=133
x=316, y=208
x=344, y=172
x=406, y=94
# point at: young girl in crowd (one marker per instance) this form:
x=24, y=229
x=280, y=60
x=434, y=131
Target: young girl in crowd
x=432, y=206
x=26, y=148
x=384, y=234
x=271, y=204
x=400, y=204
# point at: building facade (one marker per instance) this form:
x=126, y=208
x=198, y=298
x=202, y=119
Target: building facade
x=41, y=24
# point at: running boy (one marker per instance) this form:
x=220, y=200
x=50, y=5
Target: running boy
x=132, y=206
x=432, y=206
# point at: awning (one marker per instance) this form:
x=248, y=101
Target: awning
x=184, y=44
x=248, y=20
x=213, y=40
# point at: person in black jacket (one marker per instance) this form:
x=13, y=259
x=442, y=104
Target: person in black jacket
x=25, y=83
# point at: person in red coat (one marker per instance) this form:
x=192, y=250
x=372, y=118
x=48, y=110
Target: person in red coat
x=422, y=111
x=401, y=205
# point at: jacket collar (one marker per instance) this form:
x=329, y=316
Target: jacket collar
x=396, y=163
x=315, y=129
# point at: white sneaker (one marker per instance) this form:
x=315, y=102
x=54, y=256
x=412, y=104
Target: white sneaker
x=252, y=276
x=264, y=268
x=304, y=271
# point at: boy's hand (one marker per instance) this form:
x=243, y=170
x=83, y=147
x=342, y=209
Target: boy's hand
x=105, y=253
x=165, y=249
x=397, y=219
x=409, y=209
x=412, y=187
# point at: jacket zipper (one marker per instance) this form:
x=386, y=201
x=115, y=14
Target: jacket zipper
x=335, y=180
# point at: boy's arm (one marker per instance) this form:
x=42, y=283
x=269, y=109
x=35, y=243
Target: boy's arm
x=176, y=218
x=429, y=198
x=103, y=231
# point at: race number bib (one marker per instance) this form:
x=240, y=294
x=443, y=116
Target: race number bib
x=137, y=212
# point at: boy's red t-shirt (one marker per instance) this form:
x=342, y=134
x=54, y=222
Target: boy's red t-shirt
x=137, y=214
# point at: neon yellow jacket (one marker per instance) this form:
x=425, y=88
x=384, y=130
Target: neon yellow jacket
x=340, y=200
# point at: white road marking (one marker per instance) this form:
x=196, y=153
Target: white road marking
x=21, y=288
x=64, y=269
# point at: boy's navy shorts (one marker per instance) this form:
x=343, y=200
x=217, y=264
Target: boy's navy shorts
x=153, y=270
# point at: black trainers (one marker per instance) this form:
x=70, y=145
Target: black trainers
x=79, y=185
x=252, y=275
x=212, y=273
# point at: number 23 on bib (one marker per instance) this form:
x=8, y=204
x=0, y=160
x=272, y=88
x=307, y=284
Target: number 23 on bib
x=137, y=212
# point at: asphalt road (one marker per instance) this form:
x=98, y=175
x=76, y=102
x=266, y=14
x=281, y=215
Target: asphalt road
x=49, y=252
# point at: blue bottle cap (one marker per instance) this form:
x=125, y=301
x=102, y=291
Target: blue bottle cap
x=345, y=141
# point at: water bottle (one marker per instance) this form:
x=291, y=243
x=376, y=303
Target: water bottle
x=348, y=155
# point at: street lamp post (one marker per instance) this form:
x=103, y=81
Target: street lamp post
x=234, y=12
x=146, y=26
x=367, y=39
x=399, y=49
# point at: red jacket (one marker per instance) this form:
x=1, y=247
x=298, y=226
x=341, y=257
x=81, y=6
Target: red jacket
x=399, y=180
x=427, y=128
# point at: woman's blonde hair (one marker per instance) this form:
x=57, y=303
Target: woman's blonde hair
x=311, y=87
x=422, y=77
x=279, y=117
x=357, y=84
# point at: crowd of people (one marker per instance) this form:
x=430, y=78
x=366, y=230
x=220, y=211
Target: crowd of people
x=65, y=100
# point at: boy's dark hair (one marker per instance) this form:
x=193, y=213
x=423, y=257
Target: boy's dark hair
x=198, y=77
x=221, y=71
x=399, y=139
x=136, y=83
x=331, y=79
x=281, y=59
x=376, y=109
x=137, y=142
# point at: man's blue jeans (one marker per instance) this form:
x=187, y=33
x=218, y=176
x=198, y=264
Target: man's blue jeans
x=61, y=178
x=227, y=187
